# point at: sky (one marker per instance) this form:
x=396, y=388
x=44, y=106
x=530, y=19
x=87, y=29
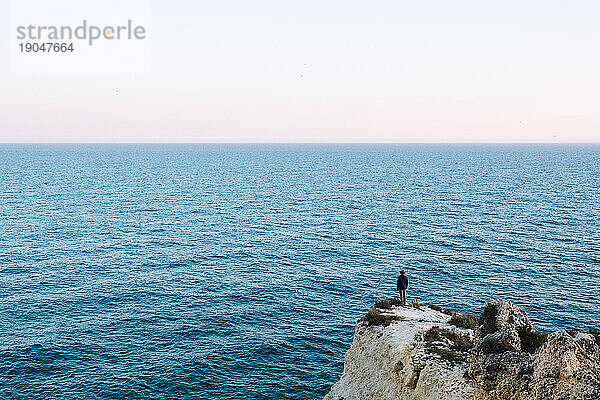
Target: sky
x=310, y=71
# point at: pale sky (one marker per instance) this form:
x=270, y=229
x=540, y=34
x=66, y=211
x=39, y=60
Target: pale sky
x=325, y=71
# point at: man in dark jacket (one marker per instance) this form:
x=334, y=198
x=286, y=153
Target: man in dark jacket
x=402, y=285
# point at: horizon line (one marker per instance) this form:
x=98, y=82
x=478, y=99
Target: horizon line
x=286, y=143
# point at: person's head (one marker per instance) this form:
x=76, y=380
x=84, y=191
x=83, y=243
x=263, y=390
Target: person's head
x=402, y=272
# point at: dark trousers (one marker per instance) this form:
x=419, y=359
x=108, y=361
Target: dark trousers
x=403, y=297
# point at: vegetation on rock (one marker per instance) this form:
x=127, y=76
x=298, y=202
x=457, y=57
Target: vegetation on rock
x=387, y=303
x=449, y=344
x=435, y=307
x=374, y=317
x=467, y=321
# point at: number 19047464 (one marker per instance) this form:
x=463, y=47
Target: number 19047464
x=46, y=47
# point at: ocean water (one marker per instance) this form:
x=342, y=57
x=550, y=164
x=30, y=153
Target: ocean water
x=238, y=271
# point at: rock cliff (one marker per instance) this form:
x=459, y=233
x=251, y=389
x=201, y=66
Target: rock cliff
x=419, y=353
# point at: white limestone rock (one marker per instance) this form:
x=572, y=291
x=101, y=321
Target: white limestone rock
x=415, y=354
x=396, y=362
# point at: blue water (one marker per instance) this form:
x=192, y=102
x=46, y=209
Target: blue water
x=238, y=271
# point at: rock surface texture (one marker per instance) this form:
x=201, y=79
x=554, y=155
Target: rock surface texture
x=416, y=354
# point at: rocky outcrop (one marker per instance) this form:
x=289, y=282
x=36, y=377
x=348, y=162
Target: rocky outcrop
x=415, y=353
x=395, y=355
x=512, y=361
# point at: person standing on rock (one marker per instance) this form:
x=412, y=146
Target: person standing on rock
x=402, y=285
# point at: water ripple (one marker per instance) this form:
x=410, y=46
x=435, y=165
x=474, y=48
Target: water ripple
x=237, y=272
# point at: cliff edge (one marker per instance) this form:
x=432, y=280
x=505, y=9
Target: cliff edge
x=421, y=353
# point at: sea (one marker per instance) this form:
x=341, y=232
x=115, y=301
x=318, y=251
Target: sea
x=238, y=271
